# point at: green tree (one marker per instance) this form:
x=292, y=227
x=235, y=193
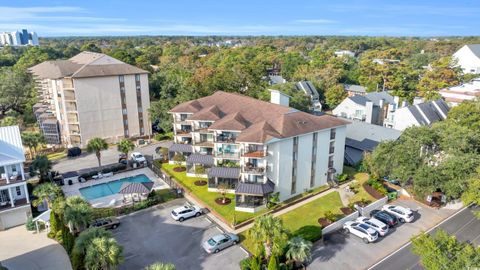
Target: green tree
x=125, y=146
x=472, y=193
x=269, y=233
x=103, y=253
x=41, y=166
x=299, y=250
x=178, y=158
x=443, y=251
x=96, y=145
x=8, y=121
x=466, y=114
x=439, y=76
x=160, y=266
x=83, y=241
x=78, y=214
x=335, y=95
x=32, y=140
x=91, y=47
x=47, y=192
x=273, y=264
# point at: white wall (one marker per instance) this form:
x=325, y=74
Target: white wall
x=467, y=60
x=348, y=107
x=403, y=119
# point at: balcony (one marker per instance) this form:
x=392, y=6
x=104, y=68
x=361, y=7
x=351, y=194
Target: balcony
x=227, y=155
x=253, y=169
x=184, y=132
x=255, y=154
x=225, y=139
x=204, y=143
x=68, y=96
x=17, y=203
x=71, y=106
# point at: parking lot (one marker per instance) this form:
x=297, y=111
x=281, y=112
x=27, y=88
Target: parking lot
x=341, y=251
x=152, y=235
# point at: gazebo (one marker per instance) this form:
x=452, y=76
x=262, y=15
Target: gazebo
x=43, y=218
x=135, y=188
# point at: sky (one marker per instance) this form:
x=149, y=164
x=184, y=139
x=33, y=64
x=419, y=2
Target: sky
x=242, y=17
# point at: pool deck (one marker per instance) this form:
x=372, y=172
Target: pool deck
x=107, y=201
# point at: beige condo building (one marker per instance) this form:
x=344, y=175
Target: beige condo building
x=91, y=95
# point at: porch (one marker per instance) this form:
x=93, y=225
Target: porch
x=13, y=196
x=198, y=164
x=253, y=197
x=224, y=176
x=11, y=173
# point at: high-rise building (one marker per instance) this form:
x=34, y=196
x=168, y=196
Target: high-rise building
x=91, y=95
x=18, y=38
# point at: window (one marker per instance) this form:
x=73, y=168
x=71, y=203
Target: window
x=330, y=161
x=126, y=132
x=122, y=88
x=332, y=148
x=314, y=160
x=124, y=111
x=125, y=122
x=140, y=109
x=137, y=77
x=142, y=130
x=138, y=88
x=332, y=134
x=18, y=190
x=121, y=78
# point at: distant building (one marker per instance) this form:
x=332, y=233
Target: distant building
x=385, y=61
x=276, y=79
x=309, y=89
x=468, y=58
x=370, y=108
x=342, y=53
x=363, y=138
x=355, y=90
x=91, y=95
x=419, y=114
x=457, y=94
x=19, y=38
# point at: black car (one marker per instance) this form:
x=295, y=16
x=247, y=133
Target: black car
x=384, y=217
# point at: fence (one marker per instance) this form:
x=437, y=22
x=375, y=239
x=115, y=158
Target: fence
x=362, y=211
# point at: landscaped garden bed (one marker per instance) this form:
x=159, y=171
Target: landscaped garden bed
x=222, y=201
x=200, y=183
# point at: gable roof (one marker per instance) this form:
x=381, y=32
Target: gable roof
x=360, y=100
x=211, y=113
x=247, y=114
x=375, y=97
x=11, y=147
x=82, y=65
x=475, y=48
x=354, y=88
x=308, y=88
x=429, y=112
x=365, y=136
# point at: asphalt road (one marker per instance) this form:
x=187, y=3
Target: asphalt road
x=464, y=225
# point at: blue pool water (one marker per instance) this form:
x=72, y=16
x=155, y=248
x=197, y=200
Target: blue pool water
x=110, y=188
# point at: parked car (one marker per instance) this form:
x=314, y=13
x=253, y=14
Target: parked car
x=74, y=152
x=361, y=230
x=122, y=158
x=186, y=211
x=106, y=223
x=219, y=242
x=404, y=214
x=138, y=157
x=384, y=217
x=375, y=224
x=392, y=181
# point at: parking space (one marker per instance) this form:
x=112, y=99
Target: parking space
x=152, y=235
x=340, y=251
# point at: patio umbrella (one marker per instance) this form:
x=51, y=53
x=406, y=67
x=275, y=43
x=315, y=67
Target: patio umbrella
x=136, y=188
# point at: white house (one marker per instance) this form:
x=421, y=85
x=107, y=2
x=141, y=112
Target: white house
x=258, y=148
x=457, y=94
x=369, y=108
x=342, y=53
x=309, y=89
x=14, y=199
x=468, y=58
x=418, y=114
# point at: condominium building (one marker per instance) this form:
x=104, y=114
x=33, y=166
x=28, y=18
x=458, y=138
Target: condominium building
x=256, y=148
x=14, y=200
x=91, y=95
x=19, y=38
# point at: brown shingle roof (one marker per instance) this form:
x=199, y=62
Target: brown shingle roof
x=258, y=120
x=211, y=113
x=84, y=64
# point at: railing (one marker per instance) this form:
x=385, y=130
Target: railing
x=227, y=155
x=255, y=154
x=226, y=139
x=252, y=204
x=71, y=107
x=69, y=96
x=183, y=132
x=257, y=170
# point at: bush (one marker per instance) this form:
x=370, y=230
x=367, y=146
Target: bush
x=106, y=170
x=92, y=173
x=330, y=216
x=30, y=225
x=354, y=187
x=245, y=263
x=342, y=177
x=74, y=152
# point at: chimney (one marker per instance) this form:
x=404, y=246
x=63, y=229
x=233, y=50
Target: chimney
x=369, y=112
x=277, y=97
x=381, y=102
x=396, y=100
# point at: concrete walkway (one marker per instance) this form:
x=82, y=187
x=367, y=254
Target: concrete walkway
x=21, y=250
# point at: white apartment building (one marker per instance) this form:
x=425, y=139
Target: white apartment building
x=19, y=38
x=257, y=148
x=91, y=95
x=14, y=199
x=468, y=58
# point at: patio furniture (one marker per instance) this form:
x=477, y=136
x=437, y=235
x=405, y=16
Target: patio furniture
x=4, y=176
x=3, y=203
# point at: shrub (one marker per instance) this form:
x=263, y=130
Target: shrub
x=106, y=170
x=74, y=151
x=92, y=173
x=273, y=264
x=85, y=176
x=164, y=136
x=342, y=177
x=354, y=186
x=245, y=263
x=30, y=225
x=330, y=216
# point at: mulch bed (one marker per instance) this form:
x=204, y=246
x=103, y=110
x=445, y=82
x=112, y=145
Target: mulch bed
x=324, y=222
x=220, y=201
x=373, y=192
x=200, y=183
x=179, y=169
x=346, y=210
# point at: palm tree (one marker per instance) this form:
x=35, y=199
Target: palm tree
x=78, y=213
x=103, y=254
x=160, y=266
x=47, y=192
x=32, y=140
x=125, y=146
x=82, y=242
x=97, y=145
x=298, y=250
x=269, y=232
x=41, y=165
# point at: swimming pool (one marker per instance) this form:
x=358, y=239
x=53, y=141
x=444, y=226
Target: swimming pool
x=110, y=188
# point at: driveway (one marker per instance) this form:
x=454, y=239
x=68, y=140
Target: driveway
x=341, y=251
x=109, y=156
x=21, y=250
x=152, y=235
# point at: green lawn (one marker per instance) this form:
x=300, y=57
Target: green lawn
x=226, y=211
x=303, y=221
x=57, y=156
x=362, y=194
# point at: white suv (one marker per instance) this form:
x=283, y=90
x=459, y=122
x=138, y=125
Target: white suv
x=403, y=214
x=138, y=157
x=186, y=211
x=361, y=230
x=375, y=224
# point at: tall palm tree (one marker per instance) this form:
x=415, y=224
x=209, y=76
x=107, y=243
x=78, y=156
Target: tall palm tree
x=78, y=213
x=125, y=146
x=160, y=266
x=41, y=165
x=268, y=231
x=299, y=250
x=83, y=241
x=47, y=192
x=32, y=140
x=103, y=254
x=96, y=145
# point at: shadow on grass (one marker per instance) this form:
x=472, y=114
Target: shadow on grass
x=310, y=232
